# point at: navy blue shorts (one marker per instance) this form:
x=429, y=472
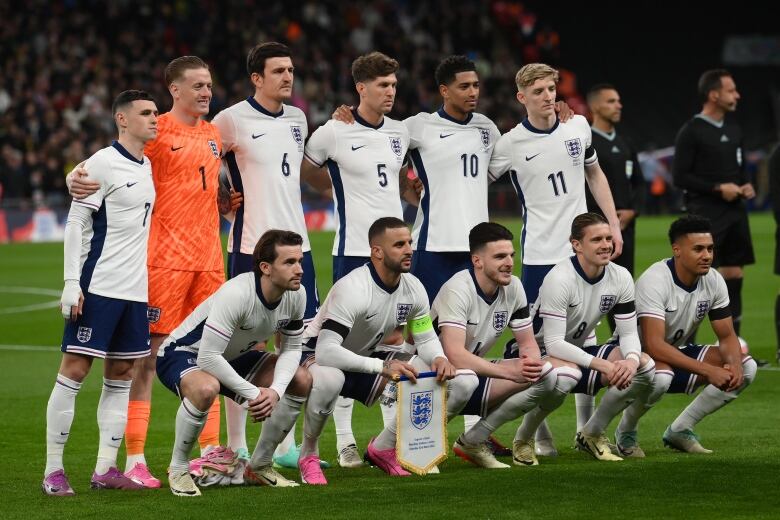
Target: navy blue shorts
x=435, y=268
x=590, y=382
x=108, y=328
x=343, y=265
x=684, y=382
x=478, y=402
x=532, y=277
x=239, y=263
x=173, y=365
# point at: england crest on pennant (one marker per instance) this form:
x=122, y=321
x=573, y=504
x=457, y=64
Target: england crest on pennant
x=702, y=307
x=402, y=311
x=499, y=320
x=214, y=149
x=484, y=135
x=607, y=302
x=421, y=409
x=84, y=334
x=395, y=145
x=574, y=147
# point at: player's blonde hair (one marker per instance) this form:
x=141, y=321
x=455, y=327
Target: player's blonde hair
x=532, y=72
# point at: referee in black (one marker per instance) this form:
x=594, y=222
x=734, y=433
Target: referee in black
x=709, y=166
x=774, y=195
x=619, y=161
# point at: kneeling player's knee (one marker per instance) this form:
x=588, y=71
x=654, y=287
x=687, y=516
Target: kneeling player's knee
x=645, y=374
x=749, y=369
x=460, y=390
x=548, y=378
x=566, y=378
x=204, y=393
x=326, y=381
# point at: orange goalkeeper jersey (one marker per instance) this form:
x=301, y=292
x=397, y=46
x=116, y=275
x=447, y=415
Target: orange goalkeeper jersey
x=184, y=234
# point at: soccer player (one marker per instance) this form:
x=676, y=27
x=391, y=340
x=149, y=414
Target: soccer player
x=471, y=311
x=774, y=194
x=574, y=296
x=673, y=296
x=262, y=139
x=361, y=309
x=549, y=164
x=185, y=252
x=104, y=299
x=364, y=161
x=212, y=352
x=709, y=166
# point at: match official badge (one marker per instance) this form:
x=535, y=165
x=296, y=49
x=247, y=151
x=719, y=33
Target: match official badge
x=607, y=302
x=402, y=311
x=214, y=149
x=395, y=145
x=84, y=334
x=153, y=314
x=484, y=135
x=499, y=320
x=574, y=147
x=297, y=134
x=702, y=307
x=421, y=409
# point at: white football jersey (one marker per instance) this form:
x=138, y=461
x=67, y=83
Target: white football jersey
x=568, y=294
x=660, y=294
x=113, y=251
x=263, y=153
x=547, y=170
x=462, y=304
x=364, y=162
x=368, y=309
x=451, y=158
x=238, y=314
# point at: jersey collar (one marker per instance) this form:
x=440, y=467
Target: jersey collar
x=257, y=106
x=363, y=122
x=444, y=115
x=608, y=136
x=378, y=280
x=259, y=291
x=531, y=128
x=677, y=282
x=578, y=268
x=716, y=124
x=487, y=299
x=122, y=150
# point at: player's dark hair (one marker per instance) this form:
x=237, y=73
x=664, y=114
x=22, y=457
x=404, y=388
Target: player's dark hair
x=688, y=224
x=381, y=225
x=176, y=68
x=582, y=221
x=371, y=66
x=127, y=97
x=711, y=80
x=255, y=60
x=265, y=250
x=486, y=232
x=449, y=67
x=595, y=90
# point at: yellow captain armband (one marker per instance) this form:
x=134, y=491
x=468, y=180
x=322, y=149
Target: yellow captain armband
x=421, y=324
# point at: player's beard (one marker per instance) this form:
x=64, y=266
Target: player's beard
x=397, y=266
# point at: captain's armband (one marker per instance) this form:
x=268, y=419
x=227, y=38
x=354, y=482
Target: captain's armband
x=421, y=325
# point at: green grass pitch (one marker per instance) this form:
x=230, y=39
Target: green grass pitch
x=740, y=480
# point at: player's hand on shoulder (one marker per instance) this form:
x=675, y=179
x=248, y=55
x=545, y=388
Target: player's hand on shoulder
x=343, y=113
x=260, y=407
x=394, y=369
x=80, y=186
x=444, y=369
x=72, y=300
x=564, y=111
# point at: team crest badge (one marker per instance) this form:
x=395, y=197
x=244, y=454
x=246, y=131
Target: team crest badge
x=395, y=145
x=607, y=302
x=84, y=334
x=702, y=307
x=280, y=324
x=214, y=149
x=485, y=136
x=297, y=134
x=421, y=409
x=153, y=314
x=499, y=320
x=574, y=147
x=402, y=312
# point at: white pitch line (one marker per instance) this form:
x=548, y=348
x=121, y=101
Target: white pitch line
x=33, y=307
x=27, y=308
x=30, y=348
x=30, y=290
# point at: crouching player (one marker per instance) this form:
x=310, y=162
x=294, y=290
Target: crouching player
x=574, y=296
x=471, y=311
x=105, y=294
x=363, y=307
x=212, y=352
x=672, y=297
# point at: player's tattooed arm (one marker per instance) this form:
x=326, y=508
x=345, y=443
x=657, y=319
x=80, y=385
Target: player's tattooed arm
x=228, y=200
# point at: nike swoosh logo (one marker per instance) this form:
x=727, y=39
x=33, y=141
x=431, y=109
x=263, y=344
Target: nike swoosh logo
x=527, y=158
x=670, y=310
x=324, y=413
x=246, y=328
x=357, y=147
x=187, y=442
x=173, y=149
x=131, y=184
x=64, y=433
x=442, y=136
x=369, y=317
x=256, y=136
x=270, y=481
x=573, y=304
x=116, y=438
x=470, y=323
x=598, y=450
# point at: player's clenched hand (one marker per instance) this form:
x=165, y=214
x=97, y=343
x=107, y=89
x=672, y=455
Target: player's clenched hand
x=236, y=199
x=617, y=241
x=747, y=191
x=530, y=368
x=343, y=114
x=394, y=369
x=417, y=186
x=79, y=184
x=444, y=369
x=72, y=300
x=564, y=111
x=730, y=191
x=625, y=369
x=261, y=406
x=718, y=377
x=737, y=377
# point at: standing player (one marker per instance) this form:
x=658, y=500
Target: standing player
x=774, y=194
x=574, y=296
x=185, y=252
x=361, y=309
x=709, y=165
x=105, y=293
x=364, y=162
x=549, y=164
x=673, y=296
x=213, y=352
x=262, y=139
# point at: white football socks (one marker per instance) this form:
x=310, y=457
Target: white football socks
x=189, y=423
x=59, y=417
x=112, y=420
x=275, y=429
